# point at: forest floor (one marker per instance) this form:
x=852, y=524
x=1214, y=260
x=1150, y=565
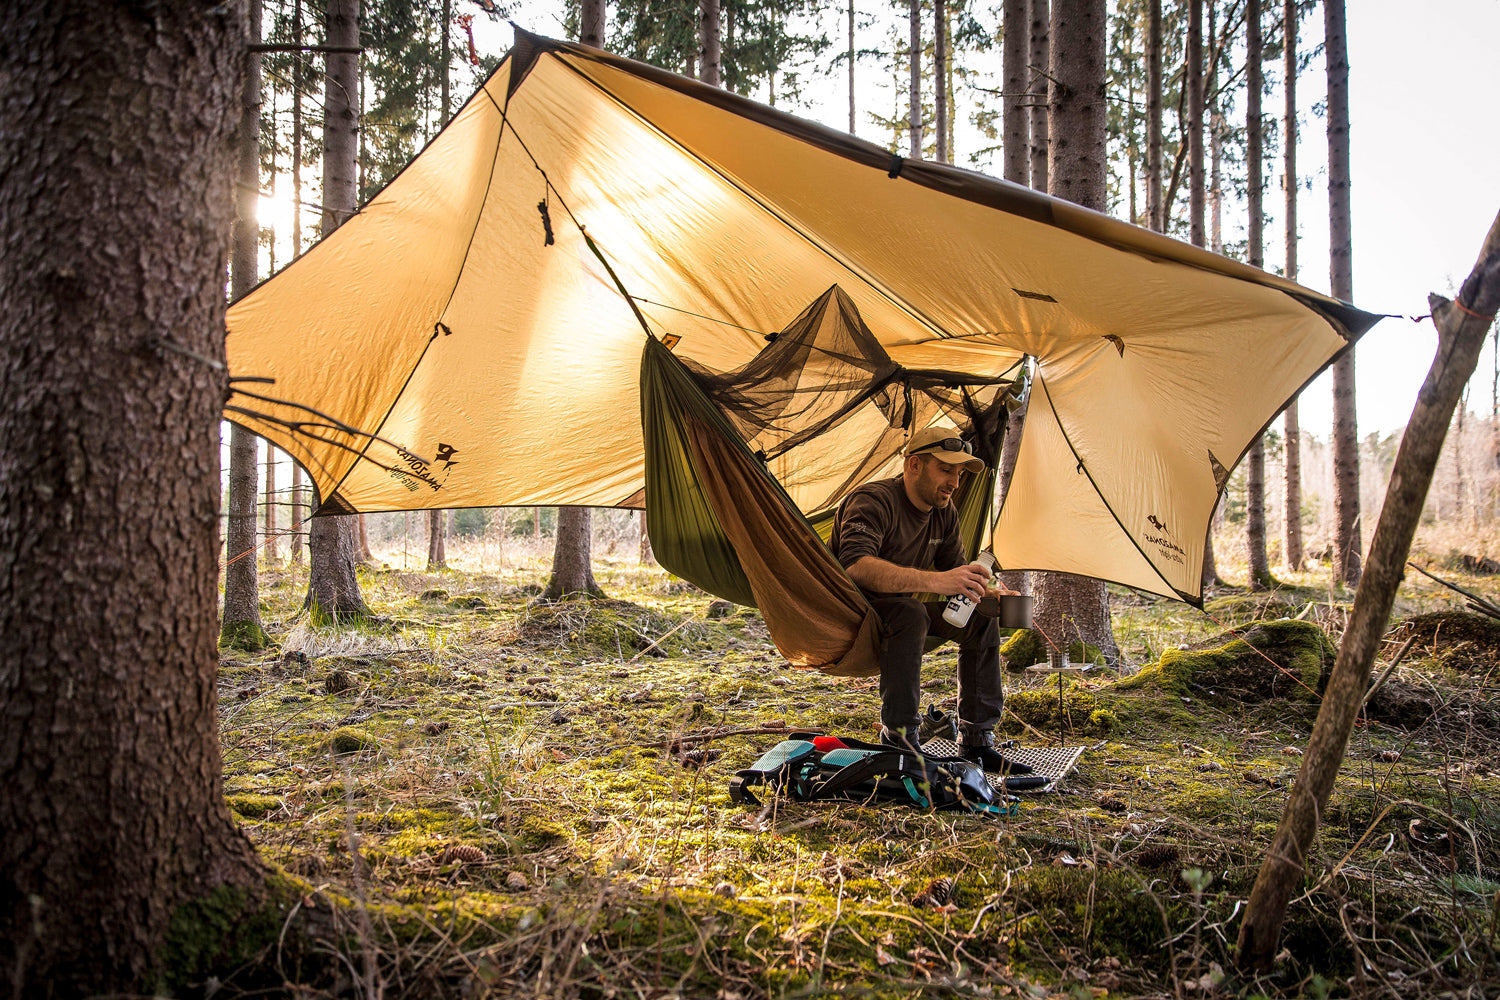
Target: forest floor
x=513, y=797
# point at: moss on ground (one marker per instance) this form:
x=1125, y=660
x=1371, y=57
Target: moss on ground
x=540, y=794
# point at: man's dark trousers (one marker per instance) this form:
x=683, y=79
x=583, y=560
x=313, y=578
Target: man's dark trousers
x=908, y=622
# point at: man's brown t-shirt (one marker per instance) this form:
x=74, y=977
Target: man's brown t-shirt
x=879, y=519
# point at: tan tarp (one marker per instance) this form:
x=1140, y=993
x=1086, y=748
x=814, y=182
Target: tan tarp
x=501, y=371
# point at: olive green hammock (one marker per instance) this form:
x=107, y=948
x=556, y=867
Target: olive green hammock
x=719, y=518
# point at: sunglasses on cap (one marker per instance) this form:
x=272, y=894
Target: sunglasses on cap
x=946, y=444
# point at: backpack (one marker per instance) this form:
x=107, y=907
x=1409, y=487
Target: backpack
x=809, y=768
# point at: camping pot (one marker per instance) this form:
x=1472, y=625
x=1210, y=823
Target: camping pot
x=1015, y=611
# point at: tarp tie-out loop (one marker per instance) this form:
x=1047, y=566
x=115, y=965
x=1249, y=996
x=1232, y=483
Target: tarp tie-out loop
x=896, y=164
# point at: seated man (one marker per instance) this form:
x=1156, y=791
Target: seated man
x=899, y=536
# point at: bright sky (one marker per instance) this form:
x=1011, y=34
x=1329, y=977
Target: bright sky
x=1425, y=159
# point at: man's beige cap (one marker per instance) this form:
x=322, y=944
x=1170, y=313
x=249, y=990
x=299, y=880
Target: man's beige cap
x=944, y=444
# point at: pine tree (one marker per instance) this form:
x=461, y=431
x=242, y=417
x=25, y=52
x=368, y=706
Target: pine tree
x=333, y=588
x=1073, y=607
x=116, y=199
x=1292, y=433
x=1255, y=499
x=240, y=624
x=1347, y=546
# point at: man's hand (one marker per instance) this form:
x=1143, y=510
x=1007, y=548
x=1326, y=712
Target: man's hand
x=967, y=579
x=1002, y=591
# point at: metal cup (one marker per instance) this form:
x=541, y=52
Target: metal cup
x=1015, y=611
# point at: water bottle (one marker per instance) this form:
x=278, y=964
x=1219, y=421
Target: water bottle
x=960, y=606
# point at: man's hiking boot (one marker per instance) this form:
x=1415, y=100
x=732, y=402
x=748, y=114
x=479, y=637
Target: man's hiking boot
x=937, y=725
x=991, y=760
x=906, y=739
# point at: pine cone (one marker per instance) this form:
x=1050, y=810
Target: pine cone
x=436, y=727
x=464, y=854
x=936, y=895
x=1110, y=802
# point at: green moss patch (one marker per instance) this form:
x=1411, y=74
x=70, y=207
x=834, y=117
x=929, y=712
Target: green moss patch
x=1251, y=607
x=348, y=740
x=251, y=805
x=1279, y=659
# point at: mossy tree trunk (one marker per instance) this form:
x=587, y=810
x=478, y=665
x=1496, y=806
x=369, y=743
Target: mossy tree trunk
x=115, y=210
x=1074, y=607
x=572, y=574
x=1461, y=332
x=240, y=626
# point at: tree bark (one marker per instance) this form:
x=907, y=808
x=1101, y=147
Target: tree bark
x=647, y=556
x=115, y=210
x=445, y=66
x=1041, y=128
x=1016, y=115
x=1461, y=333
x=333, y=546
x=1255, y=488
x=852, y=54
x=591, y=23
x=272, y=543
x=1292, y=433
x=572, y=574
x=1078, y=161
x=710, y=48
x=940, y=78
x=914, y=92
x=1347, y=545
x=1156, y=218
x=1198, y=201
x=240, y=625
x=1071, y=607
x=298, y=506
x=1215, y=135
x=437, y=556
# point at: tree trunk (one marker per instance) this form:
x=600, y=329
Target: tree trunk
x=914, y=92
x=1155, y=216
x=1017, y=124
x=1041, y=28
x=272, y=543
x=240, y=625
x=1255, y=489
x=1015, y=425
x=647, y=556
x=437, y=556
x=852, y=54
x=445, y=66
x=1292, y=440
x=297, y=83
x=1070, y=607
x=1198, y=202
x=940, y=78
x=332, y=542
x=710, y=48
x=1347, y=545
x=591, y=23
x=298, y=507
x=115, y=210
x=1461, y=334
x=572, y=574
x=1215, y=136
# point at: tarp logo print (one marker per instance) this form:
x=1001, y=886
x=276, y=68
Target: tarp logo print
x=418, y=470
